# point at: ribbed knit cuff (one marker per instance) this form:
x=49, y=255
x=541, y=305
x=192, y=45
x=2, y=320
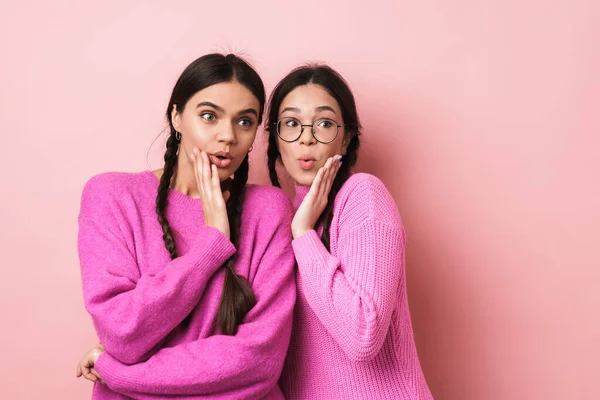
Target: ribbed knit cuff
x=111, y=371
x=212, y=250
x=312, y=255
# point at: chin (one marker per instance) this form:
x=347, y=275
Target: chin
x=304, y=178
x=224, y=174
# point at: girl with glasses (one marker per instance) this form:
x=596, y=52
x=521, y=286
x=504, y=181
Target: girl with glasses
x=352, y=336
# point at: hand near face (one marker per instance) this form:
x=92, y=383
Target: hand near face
x=213, y=200
x=315, y=201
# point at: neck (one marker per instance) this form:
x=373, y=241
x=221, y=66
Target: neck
x=301, y=192
x=184, y=177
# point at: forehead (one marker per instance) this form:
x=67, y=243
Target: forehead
x=231, y=96
x=308, y=97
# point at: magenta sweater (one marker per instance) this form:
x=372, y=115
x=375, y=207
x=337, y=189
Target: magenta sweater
x=352, y=336
x=155, y=316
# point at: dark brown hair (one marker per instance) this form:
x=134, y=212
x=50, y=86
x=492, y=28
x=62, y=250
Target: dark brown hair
x=237, y=298
x=337, y=87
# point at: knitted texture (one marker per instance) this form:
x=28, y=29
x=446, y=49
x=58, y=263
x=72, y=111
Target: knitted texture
x=352, y=336
x=156, y=316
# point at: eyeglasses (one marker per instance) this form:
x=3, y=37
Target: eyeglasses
x=324, y=130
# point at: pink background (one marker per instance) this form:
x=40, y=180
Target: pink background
x=480, y=116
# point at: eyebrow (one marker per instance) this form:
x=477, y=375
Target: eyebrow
x=318, y=109
x=221, y=109
x=249, y=111
x=325, y=108
x=210, y=104
x=293, y=109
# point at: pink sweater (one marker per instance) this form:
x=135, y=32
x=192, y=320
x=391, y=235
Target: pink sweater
x=352, y=336
x=139, y=299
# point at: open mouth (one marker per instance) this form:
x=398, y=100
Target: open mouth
x=307, y=162
x=221, y=159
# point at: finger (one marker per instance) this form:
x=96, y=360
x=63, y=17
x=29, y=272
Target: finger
x=325, y=179
x=87, y=374
x=315, y=187
x=97, y=375
x=201, y=172
x=226, y=195
x=333, y=170
x=195, y=167
x=216, y=183
x=206, y=175
x=79, y=373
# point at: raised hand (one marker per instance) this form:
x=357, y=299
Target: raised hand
x=316, y=200
x=213, y=200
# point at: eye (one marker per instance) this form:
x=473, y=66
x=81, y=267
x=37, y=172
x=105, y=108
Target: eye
x=325, y=124
x=291, y=123
x=245, y=122
x=208, y=116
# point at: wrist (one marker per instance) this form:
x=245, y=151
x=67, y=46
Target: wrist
x=301, y=231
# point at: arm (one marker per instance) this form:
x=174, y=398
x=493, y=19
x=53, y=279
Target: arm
x=354, y=295
x=133, y=313
x=246, y=365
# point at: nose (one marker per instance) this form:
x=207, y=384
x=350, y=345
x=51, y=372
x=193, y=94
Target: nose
x=226, y=133
x=306, y=136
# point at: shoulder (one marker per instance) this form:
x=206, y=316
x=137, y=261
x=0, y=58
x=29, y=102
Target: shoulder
x=108, y=182
x=269, y=201
x=104, y=190
x=366, y=196
x=364, y=183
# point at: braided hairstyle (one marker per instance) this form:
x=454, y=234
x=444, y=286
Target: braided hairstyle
x=337, y=87
x=237, y=298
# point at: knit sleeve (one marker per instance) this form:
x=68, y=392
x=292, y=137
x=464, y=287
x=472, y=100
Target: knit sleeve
x=133, y=313
x=247, y=365
x=354, y=293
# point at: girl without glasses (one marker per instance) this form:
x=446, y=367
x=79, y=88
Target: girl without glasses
x=190, y=288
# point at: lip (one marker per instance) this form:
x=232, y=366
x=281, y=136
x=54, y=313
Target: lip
x=225, y=154
x=307, y=162
x=307, y=157
x=221, y=159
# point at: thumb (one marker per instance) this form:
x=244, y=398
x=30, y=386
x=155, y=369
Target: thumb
x=226, y=195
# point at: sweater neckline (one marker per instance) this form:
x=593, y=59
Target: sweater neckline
x=174, y=197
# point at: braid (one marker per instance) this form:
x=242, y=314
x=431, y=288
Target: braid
x=237, y=298
x=163, y=192
x=273, y=155
x=341, y=177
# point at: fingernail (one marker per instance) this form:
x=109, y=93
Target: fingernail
x=341, y=162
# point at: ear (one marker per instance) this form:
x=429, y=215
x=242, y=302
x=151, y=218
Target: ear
x=175, y=118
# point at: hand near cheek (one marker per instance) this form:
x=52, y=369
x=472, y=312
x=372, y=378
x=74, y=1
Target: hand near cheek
x=316, y=200
x=213, y=200
x=85, y=367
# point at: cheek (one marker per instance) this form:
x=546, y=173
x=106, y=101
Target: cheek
x=336, y=147
x=286, y=152
x=246, y=138
x=199, y=131
x=200, y=135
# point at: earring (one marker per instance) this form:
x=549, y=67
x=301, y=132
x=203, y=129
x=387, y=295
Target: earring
x=178, y=135
x=251, y=147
